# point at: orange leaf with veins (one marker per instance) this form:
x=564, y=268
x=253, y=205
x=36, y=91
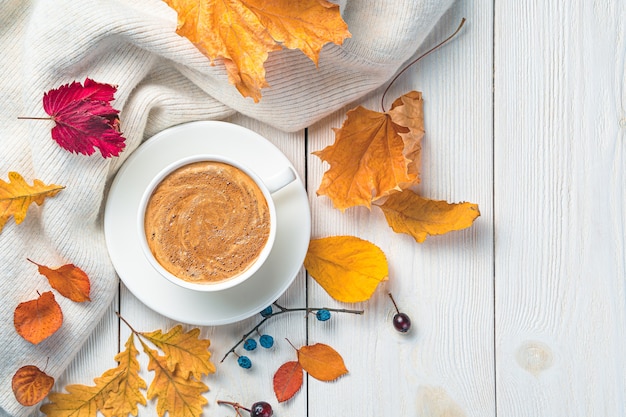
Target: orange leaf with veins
x=38, y=319
x=31, y=385
x=374, y=154
x=69, y=280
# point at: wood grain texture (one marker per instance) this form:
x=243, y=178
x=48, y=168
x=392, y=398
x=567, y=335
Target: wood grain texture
x=560, y=207
x=445, y=366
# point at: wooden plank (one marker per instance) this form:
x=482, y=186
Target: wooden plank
x=560, y=207
x=231, y=382
x=445, y=366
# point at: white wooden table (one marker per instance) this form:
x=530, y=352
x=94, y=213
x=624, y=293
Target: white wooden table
x=523, y=314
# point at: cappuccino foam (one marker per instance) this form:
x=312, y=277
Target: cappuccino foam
x=207, y=222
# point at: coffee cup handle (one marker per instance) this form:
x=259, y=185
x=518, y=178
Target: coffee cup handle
x=280, y=180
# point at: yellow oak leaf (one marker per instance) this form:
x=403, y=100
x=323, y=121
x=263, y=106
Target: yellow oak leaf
x=16, y=196
x=82, y=400
x=374, y=154
x=123, y=401
x=409, y=213
x=347, y=267
x=185, y=350
x=242, y=33
x=176, y=395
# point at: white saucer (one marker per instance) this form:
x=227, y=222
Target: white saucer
x=184, y=305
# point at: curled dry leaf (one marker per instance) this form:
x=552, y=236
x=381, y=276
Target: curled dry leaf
x=16, y=196
x=38, y=319
x=69, y=280
x=242, y=33
x=31, y=385
x=287, y=380
x=409, y=213
x=374, y=154
x=322, y=362
x=347, y=267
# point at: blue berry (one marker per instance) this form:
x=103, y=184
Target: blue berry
x=244, y=362
x=267, y=311
x=266, y=341
x=322, y=315
x=249, y=344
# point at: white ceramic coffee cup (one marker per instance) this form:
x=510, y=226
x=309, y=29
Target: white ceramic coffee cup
x=268, y=186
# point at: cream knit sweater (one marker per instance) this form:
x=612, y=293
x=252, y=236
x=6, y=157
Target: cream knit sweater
x=162, y=81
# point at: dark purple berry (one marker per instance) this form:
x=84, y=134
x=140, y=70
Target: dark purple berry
x=261, y=409
x=401, y=322
x=322, y=315
x=266, y=341
x=244, y=362
x=267, y=311
x=249, y=344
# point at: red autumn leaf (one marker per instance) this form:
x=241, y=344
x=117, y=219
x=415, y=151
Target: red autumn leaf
x=31, y=385
x=288, y=380
x=84, y=118
x=36, y=320
x=69, y=280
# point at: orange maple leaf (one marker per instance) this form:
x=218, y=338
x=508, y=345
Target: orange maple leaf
x=242, y=33
x=69, y=280
x=409, y=213
x=38, y=319
x=374, y=154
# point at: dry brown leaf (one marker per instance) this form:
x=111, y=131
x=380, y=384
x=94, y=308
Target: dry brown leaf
x=184, y=350
x=31, y=385
x=374, y=154
x=38, y=319
x=16, y=196
x=69, y=280
x=347, y=267
x=322, y=362
x=242, y=33
x=409, y=213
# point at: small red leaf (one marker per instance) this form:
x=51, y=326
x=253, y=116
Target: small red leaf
x=31, y=385
x=288, y=380
x=84, y=118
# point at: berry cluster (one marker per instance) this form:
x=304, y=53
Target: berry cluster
x=266, y=341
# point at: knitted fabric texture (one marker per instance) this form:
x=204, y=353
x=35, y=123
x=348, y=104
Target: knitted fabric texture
x=162, y=80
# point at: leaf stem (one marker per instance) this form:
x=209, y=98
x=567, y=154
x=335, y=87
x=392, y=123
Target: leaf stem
x=127, y=324
x=434, y=48
x=235, y=405
x=283, y=310
x=33, y=118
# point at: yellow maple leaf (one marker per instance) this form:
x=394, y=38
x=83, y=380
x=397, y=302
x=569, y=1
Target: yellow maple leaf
x=409, y=213
x=347, y=267
x=124, y=400
x=82, y=400
x=16, y=196
x=185, y=350
x=374, y=154
x=243, y=32
x=176, y=395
